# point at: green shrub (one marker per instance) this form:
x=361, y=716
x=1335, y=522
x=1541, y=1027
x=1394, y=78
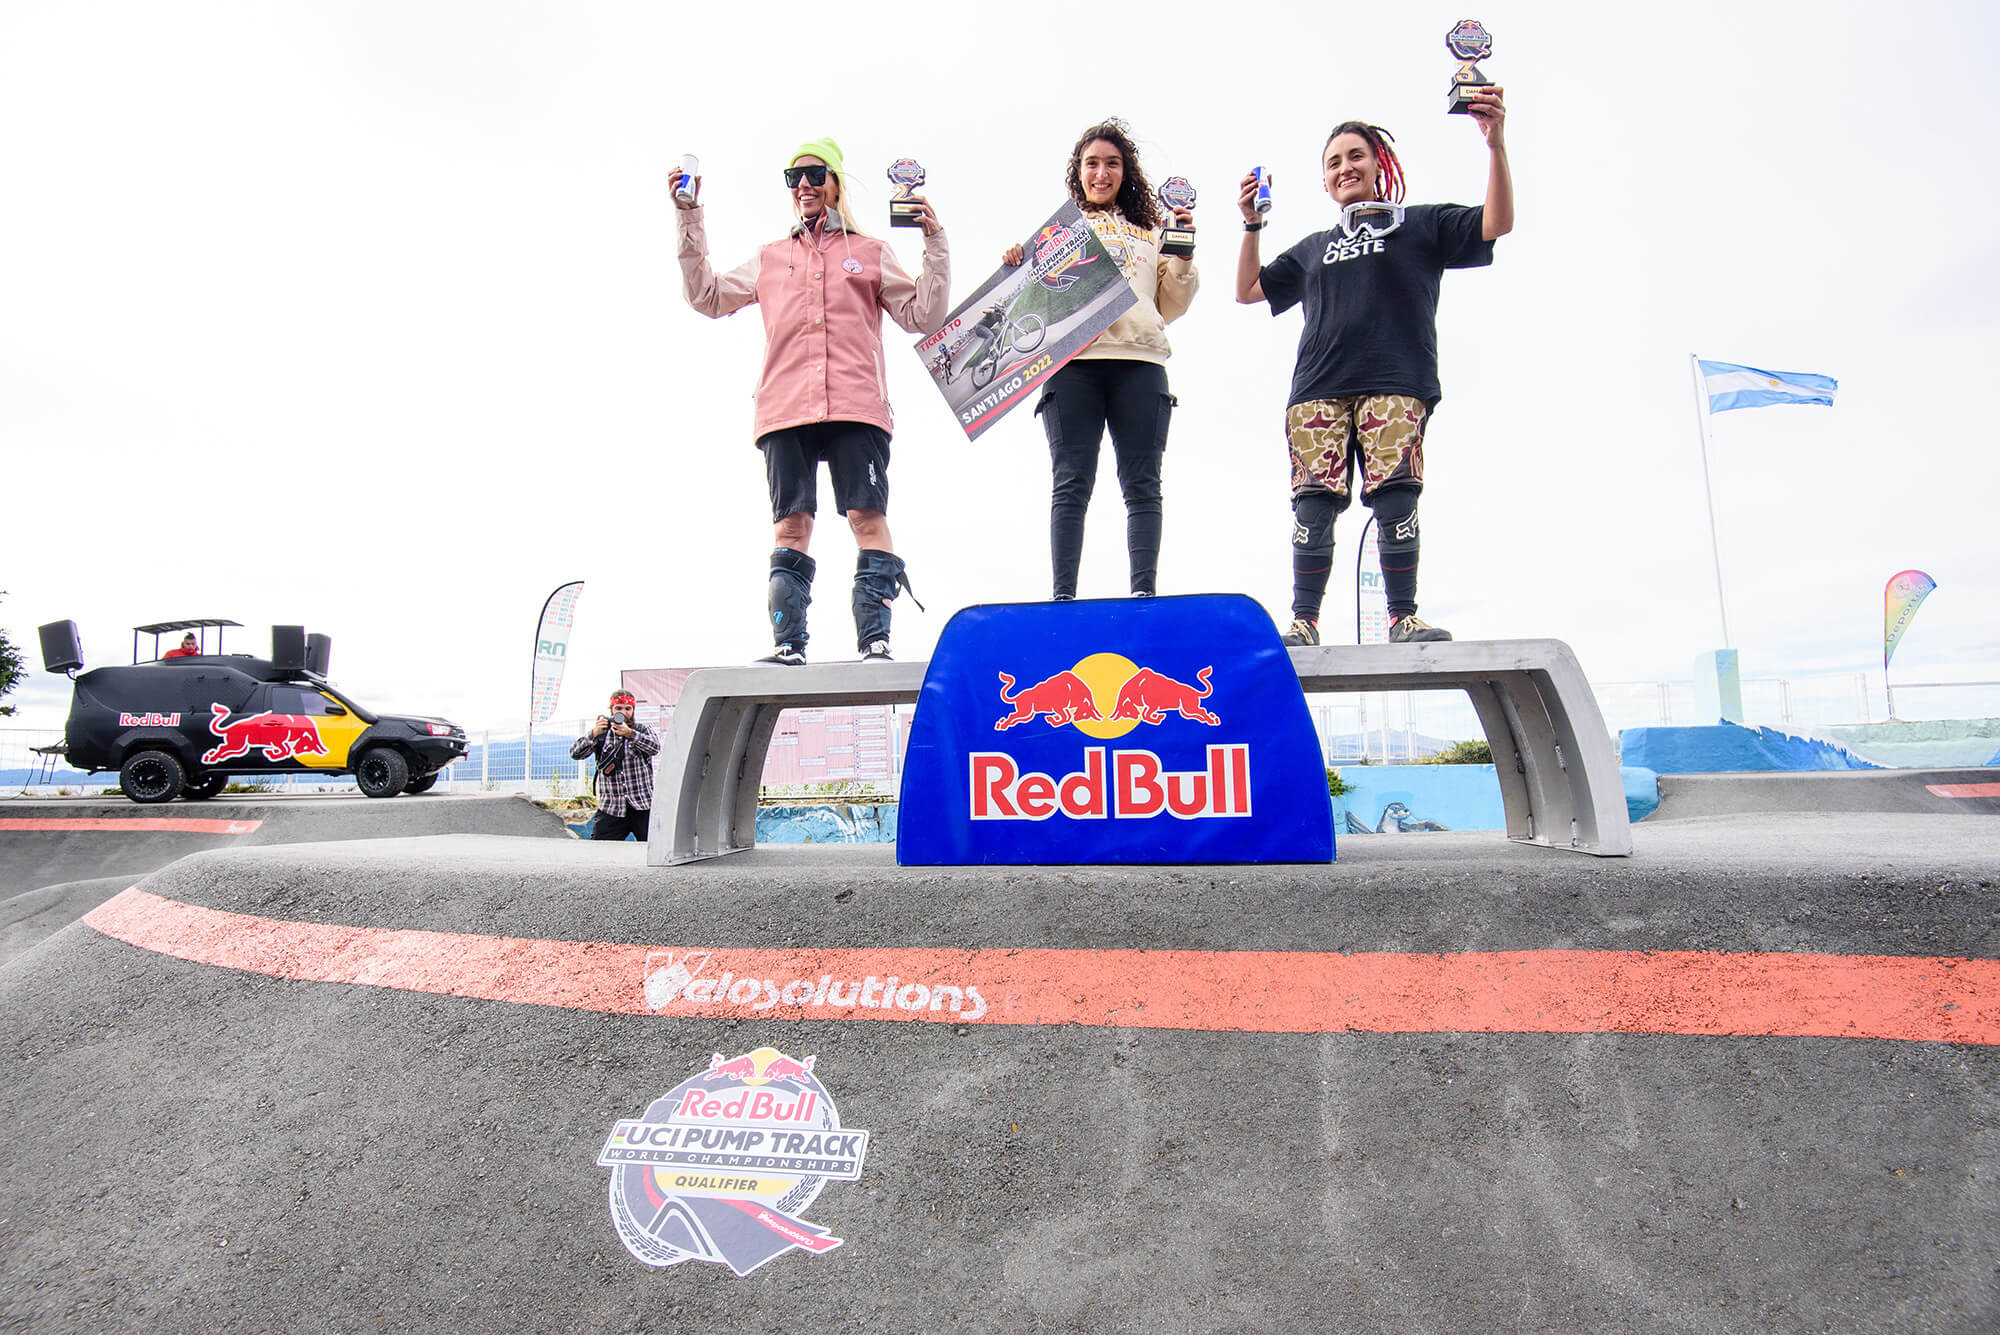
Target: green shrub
x=1464, y=753
x=1335, y=785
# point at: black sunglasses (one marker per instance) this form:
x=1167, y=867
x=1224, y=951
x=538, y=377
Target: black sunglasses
x=810, y=175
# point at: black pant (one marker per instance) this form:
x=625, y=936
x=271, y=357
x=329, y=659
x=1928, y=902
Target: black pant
x=632, y=823
x=1082, y=399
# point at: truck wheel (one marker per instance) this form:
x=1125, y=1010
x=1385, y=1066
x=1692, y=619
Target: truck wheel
x=382, y=772
x=423, y=783
x=207, y=786
x=152, y=776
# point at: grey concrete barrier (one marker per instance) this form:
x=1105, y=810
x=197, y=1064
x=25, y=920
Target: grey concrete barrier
x=1559, y=780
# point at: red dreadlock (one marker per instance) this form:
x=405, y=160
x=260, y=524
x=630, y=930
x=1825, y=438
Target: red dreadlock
x=1389, y=179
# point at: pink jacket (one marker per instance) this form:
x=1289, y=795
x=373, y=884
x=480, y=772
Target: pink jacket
x=822, y=299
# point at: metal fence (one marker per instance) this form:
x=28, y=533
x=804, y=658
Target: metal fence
x=1396, y=726
x=1376, y=727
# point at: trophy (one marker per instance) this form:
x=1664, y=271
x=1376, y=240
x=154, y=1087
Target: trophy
x=906, y=174
x=1471, y=44
x=1176, y=193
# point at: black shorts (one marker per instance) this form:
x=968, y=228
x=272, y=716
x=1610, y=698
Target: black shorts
x=856, y=453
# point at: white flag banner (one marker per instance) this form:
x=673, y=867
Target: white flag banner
x=552, y=650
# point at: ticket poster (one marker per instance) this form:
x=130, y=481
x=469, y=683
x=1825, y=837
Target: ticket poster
x=1025, y=322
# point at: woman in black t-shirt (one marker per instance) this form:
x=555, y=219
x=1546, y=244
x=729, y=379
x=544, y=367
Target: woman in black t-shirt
x=1366, y=379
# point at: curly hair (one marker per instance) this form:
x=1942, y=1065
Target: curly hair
x=1389, y=181
x=1135, y=197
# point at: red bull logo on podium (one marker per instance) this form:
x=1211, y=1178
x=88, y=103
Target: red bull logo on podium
x=1155, y=730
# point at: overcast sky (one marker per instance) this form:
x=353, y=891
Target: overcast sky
x=366, y=316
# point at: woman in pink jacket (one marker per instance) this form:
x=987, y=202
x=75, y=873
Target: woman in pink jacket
x=823, y=288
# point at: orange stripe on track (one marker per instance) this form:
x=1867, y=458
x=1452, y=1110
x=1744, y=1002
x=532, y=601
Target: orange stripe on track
x=1504, y=992
x=1964, y=789
x=133, y=824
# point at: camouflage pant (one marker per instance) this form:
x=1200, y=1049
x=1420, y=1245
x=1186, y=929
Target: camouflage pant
x=1390, y=428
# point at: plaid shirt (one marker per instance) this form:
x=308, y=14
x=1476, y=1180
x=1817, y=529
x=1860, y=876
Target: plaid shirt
x=631, y=784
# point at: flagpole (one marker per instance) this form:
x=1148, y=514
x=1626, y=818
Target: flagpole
x=1708, y=491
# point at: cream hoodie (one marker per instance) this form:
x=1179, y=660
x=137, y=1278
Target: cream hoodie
x=1164, y=287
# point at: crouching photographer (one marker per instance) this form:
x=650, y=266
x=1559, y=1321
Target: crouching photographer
x=624, y=749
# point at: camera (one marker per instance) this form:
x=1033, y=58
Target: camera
x=618, y=717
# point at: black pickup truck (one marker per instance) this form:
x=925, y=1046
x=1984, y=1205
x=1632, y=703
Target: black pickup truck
x=183, y=724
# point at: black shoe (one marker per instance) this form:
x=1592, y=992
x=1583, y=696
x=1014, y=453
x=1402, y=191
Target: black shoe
x=1411, y=629
x=789, y=655
x=1303, y=632
x=878, y=652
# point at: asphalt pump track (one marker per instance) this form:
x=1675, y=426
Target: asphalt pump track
x=59, y=859
x=1746, y=1080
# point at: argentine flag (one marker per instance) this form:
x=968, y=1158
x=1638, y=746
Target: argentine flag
x=1731, y=386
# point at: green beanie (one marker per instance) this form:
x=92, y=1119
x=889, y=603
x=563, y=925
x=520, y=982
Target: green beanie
x=825, y=150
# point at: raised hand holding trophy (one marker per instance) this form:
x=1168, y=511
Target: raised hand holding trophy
x=1469, y=43
x=905, y=210
x=1176, y=193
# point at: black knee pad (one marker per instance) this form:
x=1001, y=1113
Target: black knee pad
x=1312, y=521
x=878, y=578
x=1395, y=518
x=791, y=593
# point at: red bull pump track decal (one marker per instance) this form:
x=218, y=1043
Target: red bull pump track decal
x=722, y=1167
x=1155, y=730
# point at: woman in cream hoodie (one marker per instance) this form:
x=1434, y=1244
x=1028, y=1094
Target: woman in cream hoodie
x=1120, y=379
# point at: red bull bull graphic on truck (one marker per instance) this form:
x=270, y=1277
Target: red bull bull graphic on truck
x=1128, y=730
x=278, y=736
x=722, y=1167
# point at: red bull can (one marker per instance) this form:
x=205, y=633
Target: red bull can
x=1263, y=176
x=690, y=168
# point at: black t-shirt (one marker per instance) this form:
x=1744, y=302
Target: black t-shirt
x=1371, y=302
